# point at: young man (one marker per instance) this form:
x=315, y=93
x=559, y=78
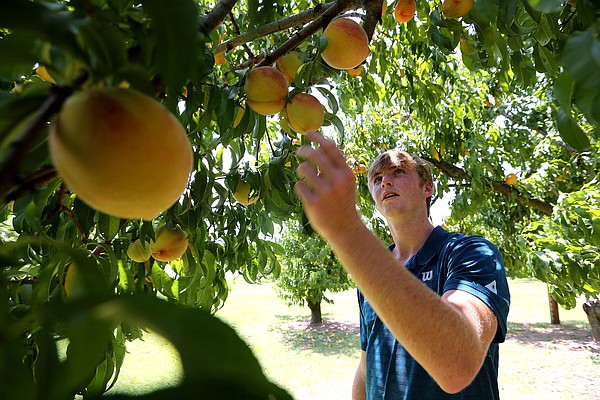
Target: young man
x=433, y=305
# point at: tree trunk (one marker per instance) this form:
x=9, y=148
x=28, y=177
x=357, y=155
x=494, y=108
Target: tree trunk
x=315, y=312
x=554, y=317
x=592, y=309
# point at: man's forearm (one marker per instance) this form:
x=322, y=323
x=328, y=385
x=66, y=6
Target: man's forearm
x=358, y=385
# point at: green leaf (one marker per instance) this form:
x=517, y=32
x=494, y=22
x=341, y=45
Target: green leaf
x=172, y=26
x=108, y=226
x=14, y=109
x=18, y=56
x=571, y=132
x=563, y=91
x=107, y=45
x=43, y=21
x=543, y=33
x=546, y=6
x=331, y=99
x=588, y=101
x=216, y=362
x=544, y=60
x=582, y=58
x=164, y=283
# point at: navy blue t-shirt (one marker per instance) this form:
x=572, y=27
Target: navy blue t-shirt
x=447, y=261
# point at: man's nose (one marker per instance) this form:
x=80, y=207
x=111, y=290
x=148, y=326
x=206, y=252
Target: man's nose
x=386, y=180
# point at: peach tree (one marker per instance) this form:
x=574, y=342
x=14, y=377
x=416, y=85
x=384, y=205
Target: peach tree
x=309, y=270
x=507, y=84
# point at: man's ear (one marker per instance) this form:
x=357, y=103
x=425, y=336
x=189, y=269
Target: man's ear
x=428, y=189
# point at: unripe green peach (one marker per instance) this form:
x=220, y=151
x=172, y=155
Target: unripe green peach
x=139, y=251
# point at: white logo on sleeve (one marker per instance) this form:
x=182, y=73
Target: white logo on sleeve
x=492, y=286
x=427, y=276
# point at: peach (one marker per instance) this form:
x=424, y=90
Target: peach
x=289, y=64
x=121, y=152
x=245, y=194
x=456, y=8
x=139, y=251
x=405, y=10
x=304, y=113
x=355, y=72
x=74, y=283
x=219, y=58
x=169, y=244
x=347, y=44
x=511, y=179
x=266, y=89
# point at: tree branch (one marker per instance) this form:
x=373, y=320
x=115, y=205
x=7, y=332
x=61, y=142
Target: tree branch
x=373, y=17
x=318, y=23
x=32, y=182
x=277, y=26
x=499, y=187
x=214, y=17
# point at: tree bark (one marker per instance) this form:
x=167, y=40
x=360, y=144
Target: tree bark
x=315, y=313
x=592, y=310
x=554, y=315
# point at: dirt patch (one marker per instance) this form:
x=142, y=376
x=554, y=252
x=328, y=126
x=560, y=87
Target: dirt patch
x=566, y=336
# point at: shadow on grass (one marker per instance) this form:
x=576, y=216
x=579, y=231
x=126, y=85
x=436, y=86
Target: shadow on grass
x=569, y=335
x=329, y=338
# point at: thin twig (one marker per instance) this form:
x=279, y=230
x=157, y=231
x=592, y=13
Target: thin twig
x=277, y=26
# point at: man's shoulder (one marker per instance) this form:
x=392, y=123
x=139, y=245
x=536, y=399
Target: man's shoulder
x=457, y=240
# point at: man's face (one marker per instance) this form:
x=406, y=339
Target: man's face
x=397, y=190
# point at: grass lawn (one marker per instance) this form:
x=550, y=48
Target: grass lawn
x=538, y=361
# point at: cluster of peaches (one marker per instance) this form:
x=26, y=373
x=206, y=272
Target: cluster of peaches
x=266, y=87
x=126, y=155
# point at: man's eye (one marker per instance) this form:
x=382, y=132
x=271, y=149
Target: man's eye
x=377, y=179
x=399, y=171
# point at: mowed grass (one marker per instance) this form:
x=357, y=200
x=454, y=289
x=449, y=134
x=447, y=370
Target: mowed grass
x=538, y=360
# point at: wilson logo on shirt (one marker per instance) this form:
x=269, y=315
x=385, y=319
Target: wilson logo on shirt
x=427, y=276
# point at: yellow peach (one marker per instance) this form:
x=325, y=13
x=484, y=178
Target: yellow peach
x=121, y=152
x=289, y=64
x=456, y=8
x=169, y=244
x=266, y=89
x=347, y=44
x=304, y=113
x=405, y=10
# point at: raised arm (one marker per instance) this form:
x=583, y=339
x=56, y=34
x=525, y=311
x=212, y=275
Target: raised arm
x=449, y=336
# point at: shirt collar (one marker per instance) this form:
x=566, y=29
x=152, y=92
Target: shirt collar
x=431, y=247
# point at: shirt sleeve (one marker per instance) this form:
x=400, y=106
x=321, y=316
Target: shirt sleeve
x=475, y=266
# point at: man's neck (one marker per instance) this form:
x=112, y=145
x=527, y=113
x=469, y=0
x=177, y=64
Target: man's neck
x=409, y=236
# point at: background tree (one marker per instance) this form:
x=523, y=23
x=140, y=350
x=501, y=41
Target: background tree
x=309, y=270
x=511, y=86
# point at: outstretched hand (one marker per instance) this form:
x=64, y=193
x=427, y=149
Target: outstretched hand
x=326, y=188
